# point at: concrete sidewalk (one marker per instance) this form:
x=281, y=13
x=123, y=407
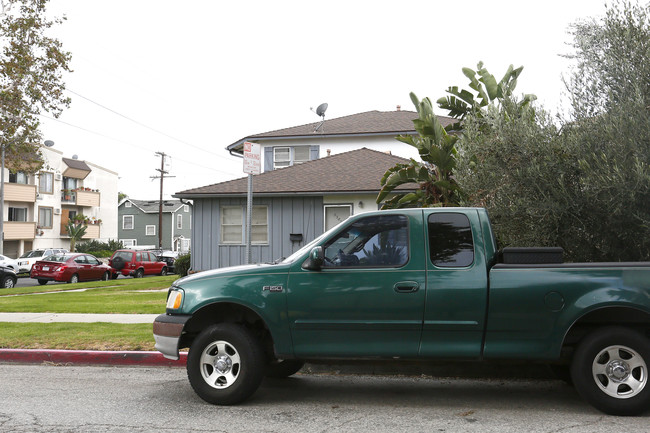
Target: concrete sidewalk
x=77, y=318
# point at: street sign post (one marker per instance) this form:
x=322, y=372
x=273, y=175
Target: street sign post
x=252, y=165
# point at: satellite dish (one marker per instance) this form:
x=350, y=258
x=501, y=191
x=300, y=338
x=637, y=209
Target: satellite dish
x=75, y=156
x=320, y=110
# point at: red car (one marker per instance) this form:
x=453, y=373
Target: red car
x=70, y=267
x=136, y=264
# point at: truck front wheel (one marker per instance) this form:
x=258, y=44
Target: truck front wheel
x=610, y=370
x=225, y=364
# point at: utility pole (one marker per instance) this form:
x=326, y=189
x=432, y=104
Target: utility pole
x=162, y=171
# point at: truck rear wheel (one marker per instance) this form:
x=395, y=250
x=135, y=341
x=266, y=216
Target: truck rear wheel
x=610, y=370
x=225, y=364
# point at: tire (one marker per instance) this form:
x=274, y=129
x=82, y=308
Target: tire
x=118, y=263
x=74, y=279
x=139, y=273
x=106, y=276
x=8, y=282
x=163, y=271
x=42, y=282
x=114, y=276
x=237, y=353
x=283, y=368
x=610, y=370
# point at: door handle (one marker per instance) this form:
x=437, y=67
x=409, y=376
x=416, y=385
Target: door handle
x=406, y=286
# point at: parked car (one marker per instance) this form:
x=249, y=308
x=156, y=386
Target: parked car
x=70, y=267
x=8, y=262
x=166, y=256
x=136, y=263
x=26, y=261
x=8, y=278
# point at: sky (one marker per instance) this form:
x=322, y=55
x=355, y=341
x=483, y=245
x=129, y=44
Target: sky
x=189, y=78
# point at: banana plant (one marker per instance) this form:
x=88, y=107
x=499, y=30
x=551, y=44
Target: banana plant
x=432, y=179
x=486, y=90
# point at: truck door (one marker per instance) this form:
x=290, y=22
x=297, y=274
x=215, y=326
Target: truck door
x=456, y=301
x=368, y=297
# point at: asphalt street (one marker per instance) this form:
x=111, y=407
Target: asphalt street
x=56, y=398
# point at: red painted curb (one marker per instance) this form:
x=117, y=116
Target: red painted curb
x=89, y=357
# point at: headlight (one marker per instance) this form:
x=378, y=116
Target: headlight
x=175, y=299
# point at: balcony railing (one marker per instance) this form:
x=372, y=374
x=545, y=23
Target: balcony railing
x=20, y=192
x=80, y=198
x=18, y=230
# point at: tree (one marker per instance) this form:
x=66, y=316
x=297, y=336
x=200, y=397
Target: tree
x=76, y=230
x=434, y=175
x=609, y=134
x=31, y=82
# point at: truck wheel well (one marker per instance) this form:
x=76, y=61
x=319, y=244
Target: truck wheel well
x=227, y=313
x=621, y=316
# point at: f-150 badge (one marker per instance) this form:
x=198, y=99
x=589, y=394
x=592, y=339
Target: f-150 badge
x=273, y=288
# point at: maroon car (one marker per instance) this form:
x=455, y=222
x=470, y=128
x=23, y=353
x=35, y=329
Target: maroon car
x=70, y=267
x=136, y=263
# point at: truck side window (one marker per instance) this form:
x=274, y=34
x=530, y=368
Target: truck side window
x=450, y=240
x=377, y=241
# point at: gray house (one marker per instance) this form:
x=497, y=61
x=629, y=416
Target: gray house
x=291, y=207
x=138, y=224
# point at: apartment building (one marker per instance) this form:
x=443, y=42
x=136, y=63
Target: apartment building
x=38, y=206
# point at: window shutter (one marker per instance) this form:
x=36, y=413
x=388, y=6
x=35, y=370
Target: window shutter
x=268, y=158
x=313, y=152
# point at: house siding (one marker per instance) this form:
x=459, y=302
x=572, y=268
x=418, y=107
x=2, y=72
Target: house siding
x=286, y=215
x=142, y=219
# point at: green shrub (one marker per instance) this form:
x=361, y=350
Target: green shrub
x=99, y=249
x=182, y=264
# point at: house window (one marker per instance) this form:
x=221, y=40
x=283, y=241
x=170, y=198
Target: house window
x=127, y=204
x=260, y=225
x=335, y=214
x=185, y=244
x=286, y=156
x=45, y=217
x=18, y=177
x=17, y=214
x=179, y=221
x=45, y=182
x=150, y=230
x=186, y=208
x=300, y=154
x=127, y=222
x=281, y=157
x=69, y=183
x=232, y=225
x=129, y=242
x=232, y=219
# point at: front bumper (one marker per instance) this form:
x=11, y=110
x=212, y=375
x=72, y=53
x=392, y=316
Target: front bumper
x=167, y=331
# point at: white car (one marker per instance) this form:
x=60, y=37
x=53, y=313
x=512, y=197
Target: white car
x=26, y=261
x=8, y=262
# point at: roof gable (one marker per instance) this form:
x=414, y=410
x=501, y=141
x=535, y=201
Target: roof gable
x=152, y=206
x=356, y=171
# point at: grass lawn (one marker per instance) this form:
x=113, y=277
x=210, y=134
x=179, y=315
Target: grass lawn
x=128, y=296
x=77, y=336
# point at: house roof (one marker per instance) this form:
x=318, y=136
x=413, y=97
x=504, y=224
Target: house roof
x=76, y=169
x=356, y=171
x=152, y=206
x=368, y=123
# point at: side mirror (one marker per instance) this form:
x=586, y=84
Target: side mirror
x=315, y=260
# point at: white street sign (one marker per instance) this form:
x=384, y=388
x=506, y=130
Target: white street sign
x=252, y=158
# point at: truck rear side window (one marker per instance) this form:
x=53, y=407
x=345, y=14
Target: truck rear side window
x=450, y=240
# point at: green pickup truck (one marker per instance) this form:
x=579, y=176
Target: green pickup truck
x=414, y=284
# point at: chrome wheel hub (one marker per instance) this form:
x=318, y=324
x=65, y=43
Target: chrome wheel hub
x=617, y=370
x=223, y=364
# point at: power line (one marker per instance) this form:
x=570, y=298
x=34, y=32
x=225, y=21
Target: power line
x=144, y=125
x=132, y=144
